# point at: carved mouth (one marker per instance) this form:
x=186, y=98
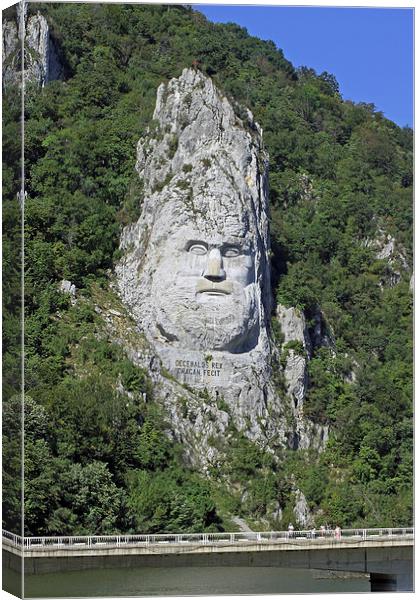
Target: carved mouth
x=214, y=288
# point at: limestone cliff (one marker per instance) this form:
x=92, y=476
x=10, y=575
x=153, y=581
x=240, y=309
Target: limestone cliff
x=293, y=326
x=195, y=272
x=298, y=345
x=387, y=249
x=195, y=275
x=41, y=61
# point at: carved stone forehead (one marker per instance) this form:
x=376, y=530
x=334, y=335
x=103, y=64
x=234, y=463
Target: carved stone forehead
x=216, y=225
x=214, y=201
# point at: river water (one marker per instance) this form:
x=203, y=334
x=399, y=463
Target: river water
x=186, y=581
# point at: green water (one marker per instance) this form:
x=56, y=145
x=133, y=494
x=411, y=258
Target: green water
x=186, y=581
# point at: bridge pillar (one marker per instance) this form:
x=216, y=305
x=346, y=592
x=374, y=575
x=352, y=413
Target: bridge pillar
x=405, y=582
x=399, y=582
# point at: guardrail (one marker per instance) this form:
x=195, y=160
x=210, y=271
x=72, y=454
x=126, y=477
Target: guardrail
x=12, y=537
x=304, y=537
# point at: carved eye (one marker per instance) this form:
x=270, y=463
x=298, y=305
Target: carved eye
x=231, y=252
x=197, y=249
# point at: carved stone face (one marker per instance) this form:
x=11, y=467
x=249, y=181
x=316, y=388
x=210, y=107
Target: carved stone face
x=205, y=291
x=195, y=271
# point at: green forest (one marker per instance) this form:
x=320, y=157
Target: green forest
x=98, y=459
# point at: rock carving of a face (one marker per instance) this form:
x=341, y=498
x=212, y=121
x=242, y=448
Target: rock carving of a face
x=195, y=272
x=209, y=301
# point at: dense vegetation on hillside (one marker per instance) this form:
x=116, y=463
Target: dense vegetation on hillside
x=97, y=458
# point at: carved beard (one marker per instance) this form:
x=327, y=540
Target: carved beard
x=228, y=323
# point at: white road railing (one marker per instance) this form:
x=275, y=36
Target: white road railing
x=215, y=539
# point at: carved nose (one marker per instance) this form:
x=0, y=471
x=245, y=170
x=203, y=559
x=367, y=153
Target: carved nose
x=214, y=269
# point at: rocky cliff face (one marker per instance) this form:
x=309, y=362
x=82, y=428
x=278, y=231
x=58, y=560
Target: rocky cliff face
x=302, y=512
x=195, y=273
x=195, y=276
x=293, y=327
x=41, y=62
x=204, y=226
x=299, y=343
x=387, y=249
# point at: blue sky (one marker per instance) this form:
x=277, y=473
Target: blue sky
x=369, y=50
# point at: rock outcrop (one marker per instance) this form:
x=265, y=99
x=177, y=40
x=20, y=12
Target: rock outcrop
x=302, y=512
x=200, y=248
x=67, y=287
x=41, y=62
x=195, y=271
x=296, y=349
x=387, y=249
x=195, y=277
x=320, y=334
x=299, y=343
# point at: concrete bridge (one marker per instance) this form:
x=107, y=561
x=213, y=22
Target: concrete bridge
x=385, y=554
